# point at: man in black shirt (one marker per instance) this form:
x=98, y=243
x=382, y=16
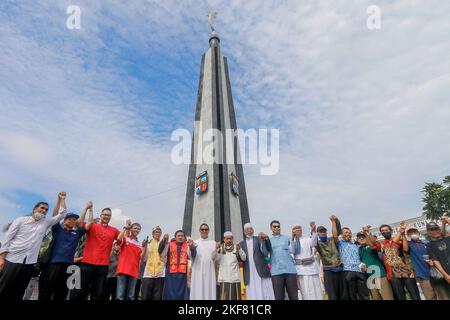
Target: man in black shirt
x=439, y=252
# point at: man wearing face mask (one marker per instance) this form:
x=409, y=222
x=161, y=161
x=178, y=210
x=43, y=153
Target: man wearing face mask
x=331, y=261
x=398, y=272
x=20, y=249
x=418, y=250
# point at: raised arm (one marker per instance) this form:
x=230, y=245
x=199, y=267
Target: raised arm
x=444, y=221
x=334, y=229
x=241, y=254
x=371, y=240
x=266, y=246
x=144, y=249
x=60, y=202
x=162, y=246
x=80, y=220
x=314, y=235
x=90, y=222
x=399, y=235
x=125, y=231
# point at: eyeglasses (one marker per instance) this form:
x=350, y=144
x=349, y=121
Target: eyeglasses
x=275, y=226
x=204, y=229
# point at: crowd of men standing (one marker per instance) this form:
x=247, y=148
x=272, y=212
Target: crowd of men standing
x=115, y=264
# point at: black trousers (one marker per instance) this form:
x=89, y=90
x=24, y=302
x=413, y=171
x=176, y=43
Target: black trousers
x=355, y=287
x=92, y=282
x=334, y=284
x=398, y=288
x=14, y=280
x=284, y=282
x=137, y=289
x=53, y=282
x=110, y=289
x=152, y=288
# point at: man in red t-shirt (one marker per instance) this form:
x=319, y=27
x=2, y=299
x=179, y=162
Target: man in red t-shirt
x=95, y=262
x=130, y=257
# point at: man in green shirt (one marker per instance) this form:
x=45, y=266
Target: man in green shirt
x=380, y=288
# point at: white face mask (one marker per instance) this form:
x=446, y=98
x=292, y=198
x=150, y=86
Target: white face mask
x=415, y=237
x=39, y=216
x=447, y=229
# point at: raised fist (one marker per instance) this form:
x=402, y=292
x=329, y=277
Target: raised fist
x=333, y=217
x=217, y=245
x=62, y=195
x=238, y=247
x=89, y=205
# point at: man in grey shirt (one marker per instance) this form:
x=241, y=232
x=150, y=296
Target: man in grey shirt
x=20, y=249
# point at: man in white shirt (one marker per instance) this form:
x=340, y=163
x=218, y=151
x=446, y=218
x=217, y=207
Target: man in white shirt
x=305, y=263
x=229, y=255
x=203, y=279
x=257, y=280
x=20, y=249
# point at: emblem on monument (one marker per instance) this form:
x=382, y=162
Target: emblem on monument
x=201, y=182
x=234, y=184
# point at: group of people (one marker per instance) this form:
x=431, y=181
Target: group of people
x=115, y=264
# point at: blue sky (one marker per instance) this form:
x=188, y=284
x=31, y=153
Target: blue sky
x=363, y=115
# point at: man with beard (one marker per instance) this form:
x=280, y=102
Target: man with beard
x=398, y=272
x=258, y=284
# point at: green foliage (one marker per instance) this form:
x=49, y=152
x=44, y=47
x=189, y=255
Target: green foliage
x=436, y=198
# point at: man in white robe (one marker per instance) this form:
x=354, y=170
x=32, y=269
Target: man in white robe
x=258, y=284
x=203, y=276
x=308, y=272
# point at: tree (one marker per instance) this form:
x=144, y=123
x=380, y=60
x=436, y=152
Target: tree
x=436, y=199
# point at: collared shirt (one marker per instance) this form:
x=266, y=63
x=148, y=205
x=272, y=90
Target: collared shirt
x=370, y=258
x=129, y=257
x=24, y=238
x=349, y=253
x=99, y=241
x=417, y=249
x=281, y=260
x=65, y=243
x=394, y=263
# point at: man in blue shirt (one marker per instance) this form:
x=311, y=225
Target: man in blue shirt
x=284, y=273
x=355, y=288
x=418, y=252
x=60, y=255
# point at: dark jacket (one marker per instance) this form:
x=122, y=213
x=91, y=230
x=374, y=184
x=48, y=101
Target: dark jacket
x=260, y=249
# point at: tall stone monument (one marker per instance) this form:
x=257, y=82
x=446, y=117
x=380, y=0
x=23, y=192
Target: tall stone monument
x=215, y=189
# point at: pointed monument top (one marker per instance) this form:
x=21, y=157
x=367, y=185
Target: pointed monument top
x=212, y=19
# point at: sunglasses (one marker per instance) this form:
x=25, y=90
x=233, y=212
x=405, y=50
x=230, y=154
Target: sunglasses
x=275, y=226
x=204, y=229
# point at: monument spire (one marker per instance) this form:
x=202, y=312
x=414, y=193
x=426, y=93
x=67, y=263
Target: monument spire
x=215, y=192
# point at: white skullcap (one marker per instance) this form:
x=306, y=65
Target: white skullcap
x=248, y=225
x=227, y=234
x=295, y=225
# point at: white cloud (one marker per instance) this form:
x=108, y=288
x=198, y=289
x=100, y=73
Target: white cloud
x=363, y=115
